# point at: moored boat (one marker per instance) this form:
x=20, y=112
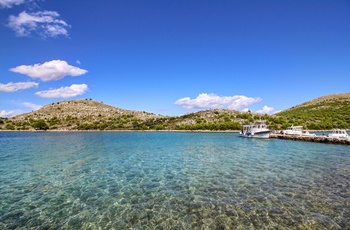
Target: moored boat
x=339, y=133
x=307, y=134
x=258, y=130
x=293, y=130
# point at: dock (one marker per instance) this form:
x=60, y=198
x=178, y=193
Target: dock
x=317, y=139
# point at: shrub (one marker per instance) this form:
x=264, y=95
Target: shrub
x=40, y=125
x=10, y=127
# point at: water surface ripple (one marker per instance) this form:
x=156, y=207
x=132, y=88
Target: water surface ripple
x=137, y=180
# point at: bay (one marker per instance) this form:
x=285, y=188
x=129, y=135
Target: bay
x=170, y=180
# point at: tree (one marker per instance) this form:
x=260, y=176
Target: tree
x=40, y=125
x=54, y=121
x=103, y=126
x=10, y=127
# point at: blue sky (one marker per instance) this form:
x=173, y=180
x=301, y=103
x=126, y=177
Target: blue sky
x=172, y=57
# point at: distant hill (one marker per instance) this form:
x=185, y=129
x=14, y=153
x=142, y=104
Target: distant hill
x=81, y=114
x=326, y=100
x=212, y=119
x=83, y=109
x=326, y=112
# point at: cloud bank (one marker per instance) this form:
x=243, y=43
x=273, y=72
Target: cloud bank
x=265, y=109
x=214, y=101
x=49, y=71
x=64, y=92
x=44, y=23
x=4, y=113
x=13, y=87
x=10, y=3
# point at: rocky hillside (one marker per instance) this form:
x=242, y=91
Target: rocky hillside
x=326, y=112
x=77, y=114
x=83, y=109
x=324, y=101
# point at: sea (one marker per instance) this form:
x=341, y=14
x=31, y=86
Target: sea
x=170, y=180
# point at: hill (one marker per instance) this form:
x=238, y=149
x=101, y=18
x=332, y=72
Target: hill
x=81, y=114
x=83, y=109
x=326, y=112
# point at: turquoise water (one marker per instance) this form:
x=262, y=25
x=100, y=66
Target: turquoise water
x=137, y=180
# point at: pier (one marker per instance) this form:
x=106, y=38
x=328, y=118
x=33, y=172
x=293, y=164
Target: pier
x=318, y=139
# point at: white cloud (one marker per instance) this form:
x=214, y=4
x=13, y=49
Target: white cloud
x=214, y=101
x=31, y=105
x=4, y=113
x=64, y=92
x=10, y=3
x=13, y=87
x=49, y=71
x=265, y=109
x=44, y=23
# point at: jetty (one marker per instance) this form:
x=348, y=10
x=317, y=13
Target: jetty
x=318, y=139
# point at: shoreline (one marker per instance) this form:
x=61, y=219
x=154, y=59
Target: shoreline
x=126, y=130
x=171, y=130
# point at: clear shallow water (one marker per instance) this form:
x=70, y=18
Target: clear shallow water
x=139, y=180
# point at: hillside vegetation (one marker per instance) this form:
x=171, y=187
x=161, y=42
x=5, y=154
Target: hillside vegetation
x=327, y=112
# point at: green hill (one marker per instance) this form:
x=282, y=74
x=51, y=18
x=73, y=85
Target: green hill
x=326, y=112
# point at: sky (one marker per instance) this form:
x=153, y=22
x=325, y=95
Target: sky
x=173, y=57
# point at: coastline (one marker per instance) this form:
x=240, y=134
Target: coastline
x=127, y=130
x=168, y=130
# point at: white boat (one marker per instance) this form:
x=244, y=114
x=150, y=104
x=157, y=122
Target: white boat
x=294, y=130
x=307, y=134
x=255, y=131
x=339, y=133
